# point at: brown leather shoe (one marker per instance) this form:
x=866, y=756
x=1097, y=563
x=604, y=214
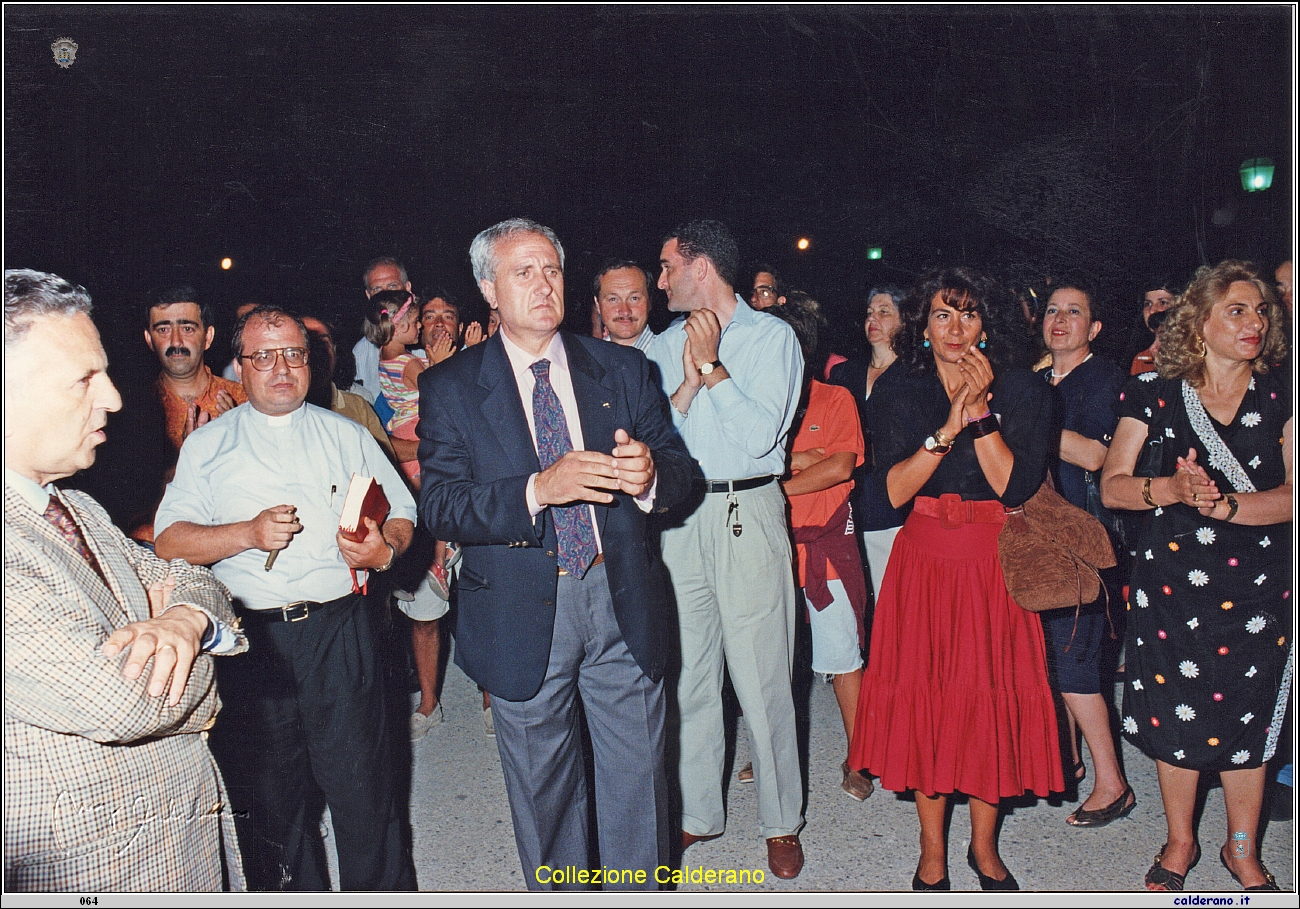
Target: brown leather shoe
x=690, y=839
x=785, y=856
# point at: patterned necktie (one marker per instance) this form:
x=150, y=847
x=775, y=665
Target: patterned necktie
x=58, y=515
x=573, y=530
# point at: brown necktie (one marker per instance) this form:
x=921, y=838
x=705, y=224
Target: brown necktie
x=58, y=515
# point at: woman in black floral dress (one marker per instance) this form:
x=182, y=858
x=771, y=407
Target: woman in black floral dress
x=1208, y=646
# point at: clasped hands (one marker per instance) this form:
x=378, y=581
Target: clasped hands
x=703, y=332
x=970, y=400
x=592, y=476
x=195, y=417
x=1193, y=486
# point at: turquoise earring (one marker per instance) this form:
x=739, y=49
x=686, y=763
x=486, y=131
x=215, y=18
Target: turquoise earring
x=926, y=343
x=983, y=343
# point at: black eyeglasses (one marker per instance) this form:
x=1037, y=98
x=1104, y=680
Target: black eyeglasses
x=264, y=360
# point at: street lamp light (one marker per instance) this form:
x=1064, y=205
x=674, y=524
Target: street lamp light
x=1256, y=174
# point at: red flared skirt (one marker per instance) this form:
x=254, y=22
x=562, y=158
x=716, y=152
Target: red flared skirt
x=955, y=697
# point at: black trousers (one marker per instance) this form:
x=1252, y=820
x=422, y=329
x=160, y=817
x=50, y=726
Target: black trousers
x=304, y=725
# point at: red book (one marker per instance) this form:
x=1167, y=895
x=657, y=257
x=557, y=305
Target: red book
x=365, y=499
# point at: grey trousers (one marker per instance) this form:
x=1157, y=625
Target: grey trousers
x=541, y=750
x=736, y=599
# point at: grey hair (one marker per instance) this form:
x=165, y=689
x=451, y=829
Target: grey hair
x=382, y=260
x=482, y=252
x=30, y=295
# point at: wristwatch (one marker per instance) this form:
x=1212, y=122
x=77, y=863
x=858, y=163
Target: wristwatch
x=392, y=555
x=707, y=368
x=938, y=443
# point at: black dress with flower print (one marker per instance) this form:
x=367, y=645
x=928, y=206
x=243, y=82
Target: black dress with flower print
x=1209, y=608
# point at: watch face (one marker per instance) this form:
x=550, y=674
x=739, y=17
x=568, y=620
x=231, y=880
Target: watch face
x=706, y=368
x=931, y=443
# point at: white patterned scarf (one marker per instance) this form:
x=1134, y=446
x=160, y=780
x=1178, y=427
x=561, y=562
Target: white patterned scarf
x=1221, y=457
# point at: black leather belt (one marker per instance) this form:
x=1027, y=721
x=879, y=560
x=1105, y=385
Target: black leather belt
x=293, y=612
x=737, y=485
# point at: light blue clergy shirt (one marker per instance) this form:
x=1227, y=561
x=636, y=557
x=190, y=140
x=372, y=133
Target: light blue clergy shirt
x=737, y=429
x=231, y=469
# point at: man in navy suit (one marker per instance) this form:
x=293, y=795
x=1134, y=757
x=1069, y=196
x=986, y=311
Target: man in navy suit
x=542, y=452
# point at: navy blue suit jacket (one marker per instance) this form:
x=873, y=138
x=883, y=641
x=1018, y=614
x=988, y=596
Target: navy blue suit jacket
x=476, y=455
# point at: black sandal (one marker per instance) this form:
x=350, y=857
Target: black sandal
x=1270, y=882
x=1160, y=876
x=1117, y=809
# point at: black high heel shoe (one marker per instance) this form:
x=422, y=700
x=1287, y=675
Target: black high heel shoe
x=986, y=882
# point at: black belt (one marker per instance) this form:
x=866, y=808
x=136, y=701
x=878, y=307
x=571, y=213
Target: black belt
x=737, y=485
x=293, y=612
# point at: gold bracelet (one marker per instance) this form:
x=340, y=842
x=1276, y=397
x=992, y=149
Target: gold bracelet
x=1232, y=506
x=1146, y=493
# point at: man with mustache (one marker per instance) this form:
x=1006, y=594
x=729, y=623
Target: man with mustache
x=622, y=292
x=178, y=329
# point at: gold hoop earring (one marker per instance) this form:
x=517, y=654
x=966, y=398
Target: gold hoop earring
x=1199, y=351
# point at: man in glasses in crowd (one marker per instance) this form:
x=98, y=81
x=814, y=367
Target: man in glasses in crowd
x=258, y=496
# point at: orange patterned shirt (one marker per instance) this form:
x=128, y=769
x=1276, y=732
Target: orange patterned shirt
x=175, y=408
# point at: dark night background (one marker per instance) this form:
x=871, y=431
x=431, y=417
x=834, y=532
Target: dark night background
x=303, y=141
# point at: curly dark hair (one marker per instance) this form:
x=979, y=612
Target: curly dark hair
x=1009, y=342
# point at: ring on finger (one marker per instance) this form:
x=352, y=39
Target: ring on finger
x=1196, y=497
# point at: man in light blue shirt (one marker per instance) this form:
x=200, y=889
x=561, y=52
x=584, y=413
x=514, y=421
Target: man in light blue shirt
x=734, y=377
x=305, y=711
x=384, y=273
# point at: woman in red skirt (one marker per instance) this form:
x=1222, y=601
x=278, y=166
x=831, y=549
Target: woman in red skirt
x=956, y=696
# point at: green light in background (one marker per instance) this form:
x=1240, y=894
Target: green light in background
x=1256, y=174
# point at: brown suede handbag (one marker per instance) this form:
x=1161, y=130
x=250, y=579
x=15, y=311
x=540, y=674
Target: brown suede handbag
x=1052, y=552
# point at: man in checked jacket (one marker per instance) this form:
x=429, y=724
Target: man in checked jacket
x=108, y=782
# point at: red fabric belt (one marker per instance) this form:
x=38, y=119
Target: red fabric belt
x=953, y=511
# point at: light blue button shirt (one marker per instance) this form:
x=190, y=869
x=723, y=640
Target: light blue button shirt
x=738, y=428
x=231, y=469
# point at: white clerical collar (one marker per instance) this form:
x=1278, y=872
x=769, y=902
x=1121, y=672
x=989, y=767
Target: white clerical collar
x=281, y=419
x=32, y=492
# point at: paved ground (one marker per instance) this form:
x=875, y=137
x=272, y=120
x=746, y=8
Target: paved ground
x=463, y=838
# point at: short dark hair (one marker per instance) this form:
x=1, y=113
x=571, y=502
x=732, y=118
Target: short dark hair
x=1009, y=341
x=776, y=277
x=30, y=295
x=181, y=293
x=615, y=265
x=270, y=314
x=714, y=241
x=1083, y=286
x=445, y=297
x=1162, y=281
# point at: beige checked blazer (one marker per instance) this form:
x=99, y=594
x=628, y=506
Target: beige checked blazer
x=106, y=788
